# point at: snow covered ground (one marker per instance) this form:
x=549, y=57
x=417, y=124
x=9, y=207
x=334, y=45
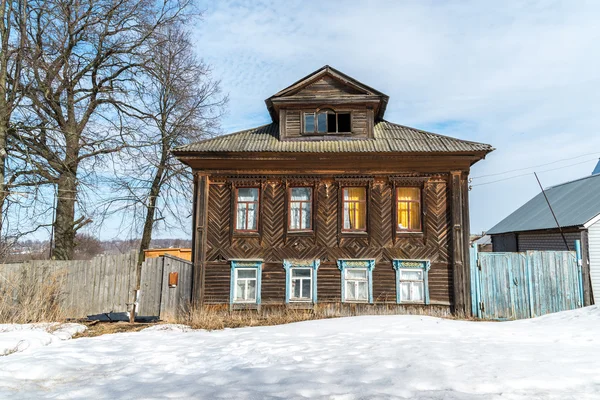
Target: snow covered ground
x=25, y=337
x=377, y=357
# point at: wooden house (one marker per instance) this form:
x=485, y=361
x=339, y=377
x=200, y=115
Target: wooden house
x=332, y=204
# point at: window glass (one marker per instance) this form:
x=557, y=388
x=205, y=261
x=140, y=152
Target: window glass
x=301, y=282
x=352, y=273
x=411, y=275
x=412, y=285
x=245, y=285
x=247, y=209
x=309, y=122
x=355, y=208
x=300, y=208
x=409, y=208
x=246, y=273
x=298, y=272
x=322, y=122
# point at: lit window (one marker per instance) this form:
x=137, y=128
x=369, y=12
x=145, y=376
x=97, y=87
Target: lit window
x=300, y=211
x=409, y=209
x=245, y=281
x=301, y=280
x=357, y=280
x=412, y=281
x=327, y=122
x=355, y=208
x=247, y=202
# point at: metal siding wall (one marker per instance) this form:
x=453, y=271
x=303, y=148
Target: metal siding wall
x=594, y=254
x=546, y=241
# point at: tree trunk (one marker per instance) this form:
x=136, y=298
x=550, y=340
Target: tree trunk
x=64, y=228
x=3, y=188
x=150, y=213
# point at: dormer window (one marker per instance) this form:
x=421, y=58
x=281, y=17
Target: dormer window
x=327, y=121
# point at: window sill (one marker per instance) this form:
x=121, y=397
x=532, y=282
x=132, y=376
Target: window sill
x=406, y=234
x=245, y=234
x=301, y=233
x=355, y=234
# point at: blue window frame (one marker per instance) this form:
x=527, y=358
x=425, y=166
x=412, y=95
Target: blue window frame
x=412, y=281
x=245, y=281
x=357, y=280
x=301, y=280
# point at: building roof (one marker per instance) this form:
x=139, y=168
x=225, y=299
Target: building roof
x=334, y=73
x=388, y=138
x=574, y=203
x=596, y=170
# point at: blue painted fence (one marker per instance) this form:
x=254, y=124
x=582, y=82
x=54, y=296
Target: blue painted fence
x=524, y=285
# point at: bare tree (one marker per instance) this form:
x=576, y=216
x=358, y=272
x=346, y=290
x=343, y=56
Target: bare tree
x=82, y=59
x=12, y=39
x=178, y=102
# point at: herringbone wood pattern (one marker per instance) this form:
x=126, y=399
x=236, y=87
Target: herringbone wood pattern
x=273, y=245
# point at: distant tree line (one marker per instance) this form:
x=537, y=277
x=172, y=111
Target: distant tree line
x=93, y=95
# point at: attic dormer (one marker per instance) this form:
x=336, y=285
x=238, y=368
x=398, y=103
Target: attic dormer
x=326, y=104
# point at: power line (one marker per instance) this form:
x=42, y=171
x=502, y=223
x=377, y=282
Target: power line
x=531, y=173
x=535, y=166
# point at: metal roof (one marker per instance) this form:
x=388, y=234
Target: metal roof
x=388, y=138
x=574, y=203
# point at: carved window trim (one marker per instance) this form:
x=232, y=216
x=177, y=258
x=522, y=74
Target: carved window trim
x=242, y=264
x=311, y=203
x=419, y=202
x=415, y=182
x=411, y=265
x=257, y=209
x=291, y=264
x=367, y=264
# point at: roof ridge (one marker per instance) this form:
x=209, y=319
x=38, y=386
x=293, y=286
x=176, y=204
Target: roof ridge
x=436, y=134
x=571, y=181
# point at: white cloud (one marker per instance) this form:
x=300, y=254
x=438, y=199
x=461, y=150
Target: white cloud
x=520, y=76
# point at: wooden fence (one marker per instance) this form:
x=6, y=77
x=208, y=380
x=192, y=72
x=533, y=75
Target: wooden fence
x=166, y=287
x=524, y=285
x=104, y=286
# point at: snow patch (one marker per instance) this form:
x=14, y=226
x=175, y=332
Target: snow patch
x=16, y=338
x=168, y=328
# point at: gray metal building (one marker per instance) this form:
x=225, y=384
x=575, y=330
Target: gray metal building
x=576, y=205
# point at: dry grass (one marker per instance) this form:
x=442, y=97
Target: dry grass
x=217, y=317
x=30, y=296
x=95, y=328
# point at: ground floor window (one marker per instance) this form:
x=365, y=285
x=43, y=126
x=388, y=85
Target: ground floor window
x=357, y=280
x=412, y=281
x=245, y=281
x=301, y=280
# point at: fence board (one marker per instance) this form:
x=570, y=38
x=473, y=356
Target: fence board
x=523, y=285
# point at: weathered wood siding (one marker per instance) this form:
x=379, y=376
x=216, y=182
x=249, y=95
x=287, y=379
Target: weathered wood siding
x=104, y=284
x=327, y=87
x=273, y=244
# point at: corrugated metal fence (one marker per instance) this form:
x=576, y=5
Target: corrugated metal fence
x=104, y=285
x=524, y=285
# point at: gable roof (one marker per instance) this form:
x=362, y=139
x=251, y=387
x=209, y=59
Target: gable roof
x=388, y=138
x=574, y=203
x=324, y=71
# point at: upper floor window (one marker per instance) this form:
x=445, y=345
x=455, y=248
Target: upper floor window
x=409, y=209
x=355, y=208
x=327, y=122
x=300, y=212
x=247, y=201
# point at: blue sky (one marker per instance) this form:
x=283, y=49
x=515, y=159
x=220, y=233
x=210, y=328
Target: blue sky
x=522, y=76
